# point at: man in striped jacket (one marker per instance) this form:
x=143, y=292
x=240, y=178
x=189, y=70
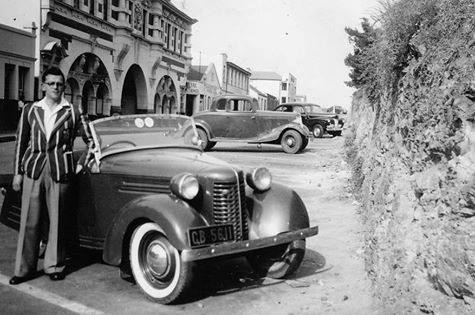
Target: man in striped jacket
x=44, y=166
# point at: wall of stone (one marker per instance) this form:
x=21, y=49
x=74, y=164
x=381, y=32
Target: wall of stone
x=412, y=153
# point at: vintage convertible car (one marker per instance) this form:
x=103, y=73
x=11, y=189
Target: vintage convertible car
x=317, y=119
x=156, y=205
x=235, y=118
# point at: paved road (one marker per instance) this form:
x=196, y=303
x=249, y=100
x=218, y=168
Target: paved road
x=331, y=278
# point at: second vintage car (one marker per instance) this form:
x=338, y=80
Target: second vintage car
x=235, y=118
x=156, y=205
x=317, y=119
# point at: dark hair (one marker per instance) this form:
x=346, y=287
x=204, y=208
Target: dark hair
x=52, y=71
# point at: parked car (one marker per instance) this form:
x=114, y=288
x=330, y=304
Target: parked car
x=235, y=118
x=337, y=110
x=155, y=204
x=315, y=118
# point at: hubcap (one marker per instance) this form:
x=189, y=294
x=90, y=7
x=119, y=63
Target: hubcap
x=290, y=141
x=158, y=259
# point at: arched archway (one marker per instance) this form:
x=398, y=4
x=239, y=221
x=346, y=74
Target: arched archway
x=90, y=69
x=134, y=91
x=165, y=105
x=157, y=105
x=88, y=98
x=167, y=92
x=71, y=91
x=102, y=100
x=172, y=106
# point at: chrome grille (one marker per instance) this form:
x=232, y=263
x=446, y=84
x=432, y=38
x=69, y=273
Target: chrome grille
x=227, y=206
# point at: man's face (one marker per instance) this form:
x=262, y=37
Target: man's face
x=53, y=86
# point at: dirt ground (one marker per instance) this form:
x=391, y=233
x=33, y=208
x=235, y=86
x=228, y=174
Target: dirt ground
x=331, y=279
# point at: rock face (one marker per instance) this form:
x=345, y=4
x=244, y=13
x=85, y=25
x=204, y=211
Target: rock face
x=412, y=152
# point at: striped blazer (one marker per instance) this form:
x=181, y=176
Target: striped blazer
x=33, y=150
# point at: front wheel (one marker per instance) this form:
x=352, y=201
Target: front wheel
x=291, y=141
x=157, y=266
x=317, y=131
x=279, y=261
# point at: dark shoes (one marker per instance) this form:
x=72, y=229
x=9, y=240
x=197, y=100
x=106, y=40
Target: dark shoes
x=56, y=276
x=17, y=280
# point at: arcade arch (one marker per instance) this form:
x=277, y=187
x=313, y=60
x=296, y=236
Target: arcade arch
x=95, y=96
x=166, y=92
x=134, y=91
x=71, y=91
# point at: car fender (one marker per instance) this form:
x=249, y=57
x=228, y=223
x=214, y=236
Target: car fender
x=277, y=133
x=279, y=209
x=173, y=215
x=205, y=126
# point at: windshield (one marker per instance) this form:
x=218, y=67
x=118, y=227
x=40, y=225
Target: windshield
x=314, y=108
x=119, y=132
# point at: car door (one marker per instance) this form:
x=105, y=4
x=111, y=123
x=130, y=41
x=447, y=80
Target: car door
x=11, y=207
x=241, y=120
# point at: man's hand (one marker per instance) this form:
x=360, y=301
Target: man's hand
x=17, y=181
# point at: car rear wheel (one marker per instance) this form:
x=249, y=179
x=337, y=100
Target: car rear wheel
x=157, y=266
x=279, y=261
x=205, y=143
x=291, y=141
x=317, y=131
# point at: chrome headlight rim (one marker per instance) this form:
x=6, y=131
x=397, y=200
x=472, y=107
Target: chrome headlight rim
x=185, y=186
x=259, y=179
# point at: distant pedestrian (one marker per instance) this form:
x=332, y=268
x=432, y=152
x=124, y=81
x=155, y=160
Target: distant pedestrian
x=44, y=166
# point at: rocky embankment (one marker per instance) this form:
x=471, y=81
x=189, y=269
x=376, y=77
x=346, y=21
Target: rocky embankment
x=412, y=151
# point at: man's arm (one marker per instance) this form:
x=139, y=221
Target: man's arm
x=22, y=141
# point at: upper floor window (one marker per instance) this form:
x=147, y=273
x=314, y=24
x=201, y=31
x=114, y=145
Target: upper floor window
x=284, y=100
x=180, y=42
x=173, y=42
x=284, y=86
x=115, y=3
x=86, y=2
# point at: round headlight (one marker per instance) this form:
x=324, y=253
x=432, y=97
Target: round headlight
x=259, y=179
x=184, y=186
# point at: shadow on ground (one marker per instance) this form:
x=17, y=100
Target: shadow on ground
x=225, y=276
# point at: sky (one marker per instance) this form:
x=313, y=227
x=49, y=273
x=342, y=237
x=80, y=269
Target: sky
x=302, y=37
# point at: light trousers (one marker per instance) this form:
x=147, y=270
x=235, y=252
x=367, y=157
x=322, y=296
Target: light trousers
x=40, y=198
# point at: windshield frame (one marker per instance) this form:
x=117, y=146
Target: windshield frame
x=99, y=154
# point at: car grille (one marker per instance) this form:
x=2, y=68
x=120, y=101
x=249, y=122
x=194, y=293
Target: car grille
x=228, y=200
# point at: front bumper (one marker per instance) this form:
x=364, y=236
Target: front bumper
x=245, y=246
x=338, y=127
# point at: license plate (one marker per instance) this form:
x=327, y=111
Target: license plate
x=211, y=235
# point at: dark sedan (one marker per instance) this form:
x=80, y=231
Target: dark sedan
x=317, y=120
x=156, y=205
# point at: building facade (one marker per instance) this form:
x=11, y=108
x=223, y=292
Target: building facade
x=267, y=82
x=288, y=90
x=233, y=78
x=261, y=97
x=301, y=98
x=201, y=87
x=17, y=73
x=118, y=56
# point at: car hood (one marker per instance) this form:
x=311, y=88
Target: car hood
x=161, y=162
